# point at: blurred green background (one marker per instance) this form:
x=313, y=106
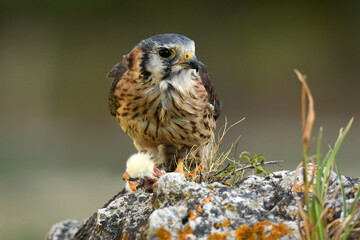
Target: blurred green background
x=62, y=155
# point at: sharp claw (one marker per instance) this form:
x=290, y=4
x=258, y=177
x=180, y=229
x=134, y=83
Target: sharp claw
x=132, y=179
x=142, y=182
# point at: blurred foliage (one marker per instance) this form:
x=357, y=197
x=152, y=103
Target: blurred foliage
x=54, y=57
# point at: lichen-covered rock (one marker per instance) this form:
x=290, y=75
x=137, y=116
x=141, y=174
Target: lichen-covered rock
x=64, y=230
x=179, y=209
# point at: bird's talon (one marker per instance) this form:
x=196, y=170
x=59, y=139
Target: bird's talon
x=142, y=182
x=132, y=179
x=180, y=166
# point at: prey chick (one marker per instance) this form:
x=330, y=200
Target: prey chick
x=141, y=172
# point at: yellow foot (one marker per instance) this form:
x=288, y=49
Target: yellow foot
x=195, y=174
x=180, y=166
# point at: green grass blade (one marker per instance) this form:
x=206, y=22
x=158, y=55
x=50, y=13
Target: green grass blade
x=318, y=151
x=318, y=164
x=325, y=160
x=342, y=187
x=334, y=152
x=316, y=205
x=306, y=183
x=321, y=171
x=316, y=212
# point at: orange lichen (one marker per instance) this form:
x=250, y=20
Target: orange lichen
x=207, y=200
x=198, y=208
x=354, y=190
x=162, y=234
x=337, y=224
x=226, y=224
x=279, y=231
x=257, y=231
x=217, y=225
x=192, y=215
x=183, y=234
x=300, y=187
x=245, y=232
x=126, y=236
x=330, y=215
x=259, y=227
x=218, y=236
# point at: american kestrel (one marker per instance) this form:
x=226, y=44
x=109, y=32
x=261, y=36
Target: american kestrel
x=162, y=96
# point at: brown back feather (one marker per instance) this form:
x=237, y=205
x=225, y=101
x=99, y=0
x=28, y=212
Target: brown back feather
x=116, y=73
x=213, y=98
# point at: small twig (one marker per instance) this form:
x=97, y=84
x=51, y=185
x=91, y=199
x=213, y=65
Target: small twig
x=356, y=230
x=221, y=170
x=260, y=164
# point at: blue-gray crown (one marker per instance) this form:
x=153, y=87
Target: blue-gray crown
x=165, y=39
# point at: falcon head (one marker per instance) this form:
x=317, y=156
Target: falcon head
x=164, y=56
x=141, y=172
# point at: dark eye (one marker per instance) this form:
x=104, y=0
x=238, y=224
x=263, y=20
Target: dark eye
x=164, y=52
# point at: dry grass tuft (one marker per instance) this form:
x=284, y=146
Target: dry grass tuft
x=201, y=162
x=208, y=163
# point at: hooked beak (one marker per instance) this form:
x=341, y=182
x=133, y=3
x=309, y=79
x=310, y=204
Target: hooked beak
x=189, y=60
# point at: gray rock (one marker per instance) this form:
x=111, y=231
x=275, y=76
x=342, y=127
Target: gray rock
x=178, y=209
x=64, y=230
